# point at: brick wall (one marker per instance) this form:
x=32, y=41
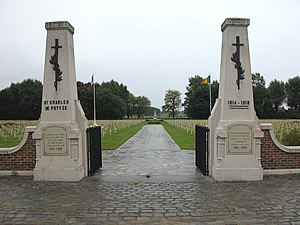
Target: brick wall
x=21, y=160
x=272, y=157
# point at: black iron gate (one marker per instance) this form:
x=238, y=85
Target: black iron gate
x=94, y=149
x=202, y=134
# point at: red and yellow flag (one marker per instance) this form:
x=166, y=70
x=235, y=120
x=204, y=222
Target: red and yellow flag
x=206, y=80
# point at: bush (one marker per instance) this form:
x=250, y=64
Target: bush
x=153, y=122
x=292, y=138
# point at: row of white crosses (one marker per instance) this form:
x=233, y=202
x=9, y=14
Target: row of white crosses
x=187, y=125
x=110, y=126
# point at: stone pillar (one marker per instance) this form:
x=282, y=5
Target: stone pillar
x=234, y=127
x=61, y=132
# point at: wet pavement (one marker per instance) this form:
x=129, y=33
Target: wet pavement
x=151, y=152
x=145, y=185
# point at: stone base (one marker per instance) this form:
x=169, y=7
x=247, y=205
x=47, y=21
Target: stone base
x=237, y=174
x=58, y=174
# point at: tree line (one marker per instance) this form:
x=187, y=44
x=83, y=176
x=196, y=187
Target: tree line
x=113, y=101
x=22, y=101
x=268, y=101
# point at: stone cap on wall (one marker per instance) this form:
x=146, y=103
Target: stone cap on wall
x=235, y=22
x=11, y=150
x=59, y=25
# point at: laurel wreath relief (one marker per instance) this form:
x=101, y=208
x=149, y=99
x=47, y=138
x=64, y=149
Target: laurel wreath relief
x=54, y=62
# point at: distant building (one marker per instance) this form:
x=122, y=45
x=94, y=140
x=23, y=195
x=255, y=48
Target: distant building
x=180, y=114
x=281, y=109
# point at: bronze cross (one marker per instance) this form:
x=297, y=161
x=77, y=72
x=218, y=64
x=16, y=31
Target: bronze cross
x=236, y=58
x=54, y=62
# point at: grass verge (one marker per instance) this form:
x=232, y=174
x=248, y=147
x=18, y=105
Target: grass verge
x=109, y=142
x=115, y=140
x=9, y=142
x=183, y=139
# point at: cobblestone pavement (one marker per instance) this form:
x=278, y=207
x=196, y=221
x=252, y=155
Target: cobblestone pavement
x=116, y=198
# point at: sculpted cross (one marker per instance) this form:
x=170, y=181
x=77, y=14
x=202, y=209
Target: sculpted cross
x=236, y=58
x=54, y=62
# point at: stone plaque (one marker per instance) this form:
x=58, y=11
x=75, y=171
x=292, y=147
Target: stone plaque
x=55, y=141
x=240, y=140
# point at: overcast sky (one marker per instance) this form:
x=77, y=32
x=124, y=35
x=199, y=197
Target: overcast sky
x=150, y=46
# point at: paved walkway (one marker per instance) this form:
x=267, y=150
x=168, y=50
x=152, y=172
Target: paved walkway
x=123, y=193
x=151, y=152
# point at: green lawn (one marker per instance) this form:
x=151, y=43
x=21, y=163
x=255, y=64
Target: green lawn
x=183, y=139
x=9, y=142
x=115, y=140
x=110, y=142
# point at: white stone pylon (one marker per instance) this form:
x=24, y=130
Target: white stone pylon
x=234, y=127
x=60, y=39
x=61, y=133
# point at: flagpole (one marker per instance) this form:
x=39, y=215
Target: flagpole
x=95, y=124
x=210, y=93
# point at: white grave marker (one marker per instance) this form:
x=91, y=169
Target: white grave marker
x=61, y=132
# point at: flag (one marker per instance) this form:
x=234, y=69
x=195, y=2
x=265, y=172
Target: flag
x=206, y=80
x=92, y=81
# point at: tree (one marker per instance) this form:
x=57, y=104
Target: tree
x=141, y=105
x=150, y=111
x=292, y=88
x=130, y=105
x=277, y=94
x=21, y=101
x=116, y=88
x=262, y=104
x=30, y=92
x=172, y=102
x=111, y=99
x=258, y=80
x=86, y=98
x=196, y=103
x=108, y=105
